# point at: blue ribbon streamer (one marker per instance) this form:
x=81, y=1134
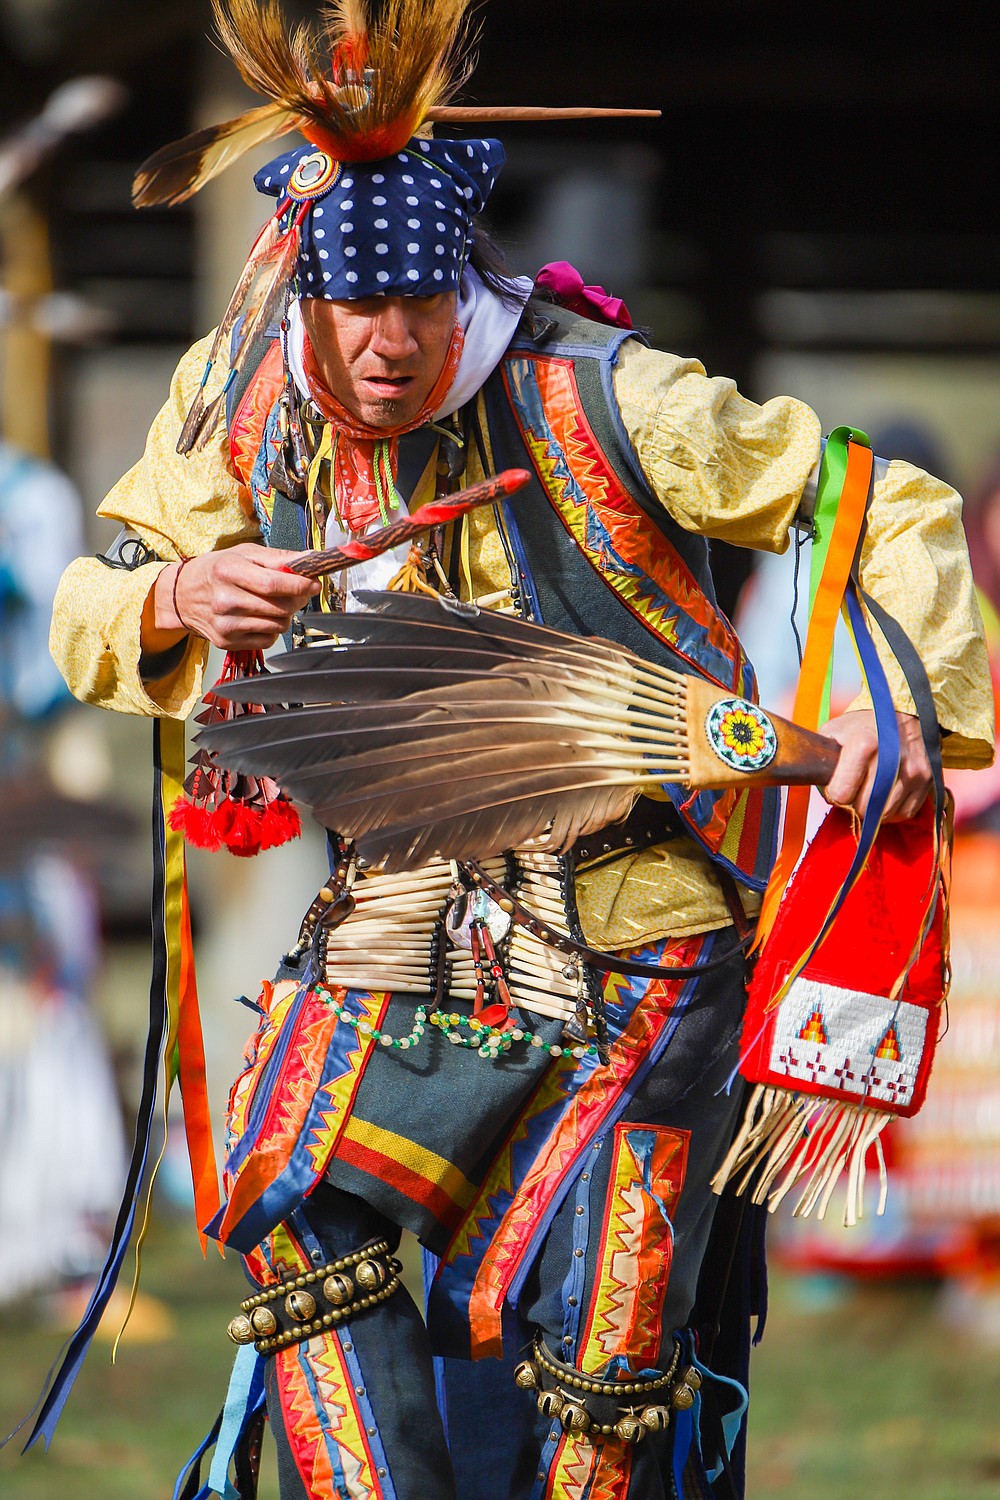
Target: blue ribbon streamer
x=683, y=1436
x=243, y=1399
x=886, y=764
x=59, y=1381
x=731, y=1420
x=185, y=1479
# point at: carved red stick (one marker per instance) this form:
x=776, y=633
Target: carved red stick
x=439, y=513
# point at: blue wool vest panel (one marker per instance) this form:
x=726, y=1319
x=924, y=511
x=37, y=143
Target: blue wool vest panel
x=598, y=553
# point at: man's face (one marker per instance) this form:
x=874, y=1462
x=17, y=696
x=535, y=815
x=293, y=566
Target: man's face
x=381, y=356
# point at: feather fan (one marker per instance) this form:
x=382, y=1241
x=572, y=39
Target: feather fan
x=426, y=728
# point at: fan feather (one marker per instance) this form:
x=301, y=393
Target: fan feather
x=295, y=738
x=178, y=171
x=428, y=729
x=511, y=825
x=363, y=672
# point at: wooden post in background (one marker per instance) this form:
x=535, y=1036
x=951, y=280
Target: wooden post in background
x=25, y=350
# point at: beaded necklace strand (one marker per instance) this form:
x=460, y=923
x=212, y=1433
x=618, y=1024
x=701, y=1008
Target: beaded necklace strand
x=487, y=1041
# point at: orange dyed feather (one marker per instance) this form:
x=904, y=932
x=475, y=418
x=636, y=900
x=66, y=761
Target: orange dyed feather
x=416, y=54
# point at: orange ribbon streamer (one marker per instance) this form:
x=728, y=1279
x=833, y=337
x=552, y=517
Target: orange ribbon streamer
x=815, y=662
x=193, y=1083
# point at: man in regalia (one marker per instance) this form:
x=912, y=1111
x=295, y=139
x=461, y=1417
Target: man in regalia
x=546, y=1104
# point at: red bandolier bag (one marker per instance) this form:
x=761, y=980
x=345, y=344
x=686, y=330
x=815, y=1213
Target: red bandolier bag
x=850, y=1043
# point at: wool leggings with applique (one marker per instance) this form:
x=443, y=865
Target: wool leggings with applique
x=386, y=1406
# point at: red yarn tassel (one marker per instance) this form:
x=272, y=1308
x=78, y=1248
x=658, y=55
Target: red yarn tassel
x=280, y=824
x=225, y=809
x=195, y=822
x=238, y=826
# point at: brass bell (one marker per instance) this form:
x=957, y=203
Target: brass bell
x=551, y=1403
x=263, y=1322
x=338, y=1290
x=526, y=1376
x=574, y=1418
x=692, y=1377
x=656, y=1418
x=300, y=1305
x=370, y=1275
x=682, y=1397
x=240, y=1330
x=629, y=1428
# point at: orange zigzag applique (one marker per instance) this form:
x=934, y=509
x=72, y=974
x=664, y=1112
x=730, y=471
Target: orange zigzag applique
x=637, y=1247
x=315, y=1422
x=580, y=1122
x=583, y=1470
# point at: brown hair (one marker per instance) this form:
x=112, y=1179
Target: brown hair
x=490, y=264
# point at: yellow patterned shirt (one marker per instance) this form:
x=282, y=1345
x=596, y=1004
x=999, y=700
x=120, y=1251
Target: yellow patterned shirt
x=721, y=465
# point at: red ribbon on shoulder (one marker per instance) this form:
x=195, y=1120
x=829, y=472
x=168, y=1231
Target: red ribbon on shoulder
x=567, y=286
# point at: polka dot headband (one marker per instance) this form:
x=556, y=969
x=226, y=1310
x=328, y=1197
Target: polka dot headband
x=400, y=227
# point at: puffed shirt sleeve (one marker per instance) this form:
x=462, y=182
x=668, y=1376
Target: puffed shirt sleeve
x=181, y=506
x=730, y=469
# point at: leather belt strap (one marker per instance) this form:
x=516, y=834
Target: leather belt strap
x=650, y=822
x=734, y=901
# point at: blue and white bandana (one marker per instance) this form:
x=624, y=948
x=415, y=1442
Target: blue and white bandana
x=399, y=227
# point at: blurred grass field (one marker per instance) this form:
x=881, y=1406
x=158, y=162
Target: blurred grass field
x=867, y=1395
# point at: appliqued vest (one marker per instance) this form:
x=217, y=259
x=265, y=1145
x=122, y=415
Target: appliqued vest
x=595, y=551
x=599, y=554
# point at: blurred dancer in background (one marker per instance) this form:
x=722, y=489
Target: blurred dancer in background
x=61, y=1148
x=952, y=1149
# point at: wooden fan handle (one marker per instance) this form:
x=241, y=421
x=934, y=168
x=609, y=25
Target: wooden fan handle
x=801, y=757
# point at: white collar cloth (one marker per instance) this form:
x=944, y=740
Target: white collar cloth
x=488, y=325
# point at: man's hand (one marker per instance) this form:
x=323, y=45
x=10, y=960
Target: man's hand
x=851, y=783
x=240, y=599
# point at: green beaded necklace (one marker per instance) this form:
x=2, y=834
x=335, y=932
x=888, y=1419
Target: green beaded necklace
x=462, y=1031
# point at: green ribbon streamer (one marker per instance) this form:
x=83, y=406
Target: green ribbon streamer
x=832, y=474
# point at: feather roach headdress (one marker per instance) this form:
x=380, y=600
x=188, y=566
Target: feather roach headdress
x=360, y=91
x=357, y=90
